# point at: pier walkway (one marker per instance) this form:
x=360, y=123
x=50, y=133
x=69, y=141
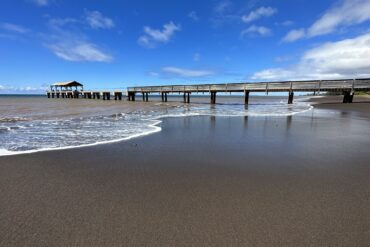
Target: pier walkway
x=347, y=87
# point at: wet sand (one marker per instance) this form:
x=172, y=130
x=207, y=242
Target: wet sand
x=302, y=180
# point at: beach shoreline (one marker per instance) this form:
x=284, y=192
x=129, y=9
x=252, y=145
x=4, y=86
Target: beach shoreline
x=202, y=181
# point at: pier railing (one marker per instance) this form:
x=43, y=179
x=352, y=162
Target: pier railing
x=304, y=86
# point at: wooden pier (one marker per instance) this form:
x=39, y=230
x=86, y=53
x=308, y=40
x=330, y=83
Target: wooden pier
x=346, y=87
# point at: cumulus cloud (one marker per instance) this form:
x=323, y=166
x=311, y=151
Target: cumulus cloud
x=59, y=22
x=154, y=36
x=224, y=12
x=78, y=51
x=286, y=23
x=68, y=42
x=175, y=71
x=13, y=28
x=349, y=12
x=345, y=13
x=96, y=20
x=193, y=15
x=348, y=58
x=154, y=74
x=40, y=2
x=256, y=30
x=259, y=13
x=221, y=7
x=294, y=35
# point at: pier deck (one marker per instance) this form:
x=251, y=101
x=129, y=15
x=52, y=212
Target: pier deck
x=345, y=86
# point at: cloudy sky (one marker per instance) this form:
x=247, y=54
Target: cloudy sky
x=115, y=44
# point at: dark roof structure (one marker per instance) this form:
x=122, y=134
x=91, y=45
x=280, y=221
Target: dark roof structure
x=67, y=84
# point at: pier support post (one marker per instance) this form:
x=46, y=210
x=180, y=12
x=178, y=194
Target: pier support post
x=145, y=97
x=246, y=97
x=351, y=97
x=58, y=95
x=165, y=97
x=213, y=97
x=52, y=95
x=48, y=95
x=290, y=98
x=348, y=97
x=106, y=96
x=117, y=96
x=131, y=96
x=187, y=97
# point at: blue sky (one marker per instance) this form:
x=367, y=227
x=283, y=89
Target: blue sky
x=114, y=44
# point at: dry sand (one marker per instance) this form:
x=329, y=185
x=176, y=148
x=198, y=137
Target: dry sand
x=201, y=181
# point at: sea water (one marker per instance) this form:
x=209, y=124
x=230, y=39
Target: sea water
x=35, y=123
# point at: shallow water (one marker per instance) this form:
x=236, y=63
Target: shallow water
x=34, y=123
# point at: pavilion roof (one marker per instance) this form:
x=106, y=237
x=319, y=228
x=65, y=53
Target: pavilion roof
x=68, y=84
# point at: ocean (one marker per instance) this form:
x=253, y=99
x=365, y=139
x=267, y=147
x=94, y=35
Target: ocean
x=35, y=123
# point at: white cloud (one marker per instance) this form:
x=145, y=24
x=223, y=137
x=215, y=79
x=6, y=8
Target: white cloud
x=22, y=89
x=154, y=36
x=259, y=13
x=78, y=51
x=286, y=23
x=349, y=12
x=187, y=72
x=69, y=43
x=259, y=30
x=344, y=14
x=282, y=59
x=348, y=58
x=294, y=35
x=41, y=2
x=154, y=74
x=96, y=20
x=193, y=15
x=222, y=7
x=224, y=12
x=13, y=28
x=58, y=22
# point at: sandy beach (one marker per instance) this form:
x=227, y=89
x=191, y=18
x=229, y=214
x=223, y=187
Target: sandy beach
x=300, y=180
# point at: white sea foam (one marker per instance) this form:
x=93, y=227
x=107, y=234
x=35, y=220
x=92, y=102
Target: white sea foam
x=4, y=152
x=44, y=135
